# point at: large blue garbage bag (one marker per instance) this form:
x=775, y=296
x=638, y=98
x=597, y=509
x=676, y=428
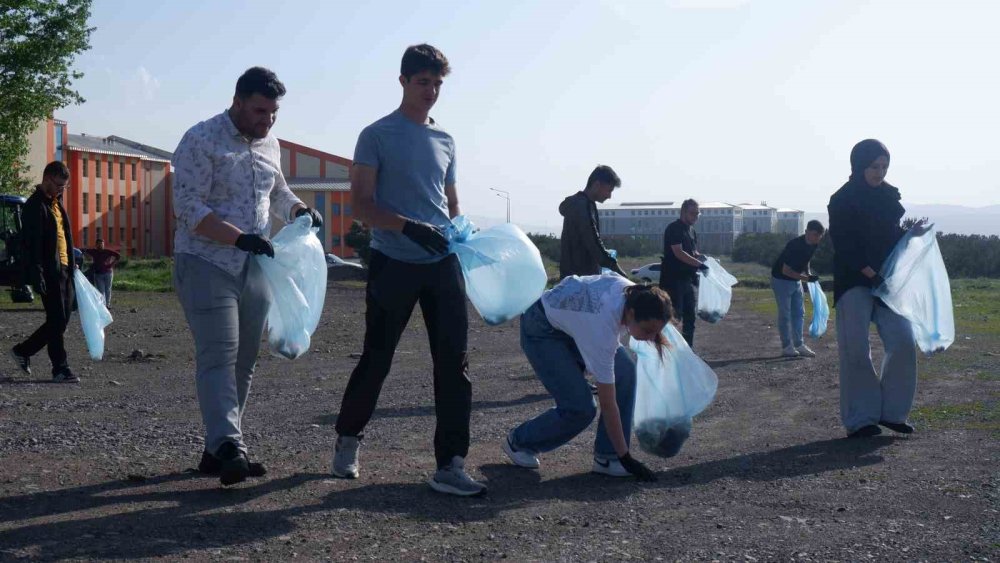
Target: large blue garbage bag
x=504, y=273
x=821, y=310
x=94, y=314
x=917, y=287
x=715, y=291
x=670, y=391
x=297, y=279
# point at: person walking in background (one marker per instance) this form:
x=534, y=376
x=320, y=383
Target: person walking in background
x=403, y=187
x=104, y=268
x=865, y=216
x=227, y=184
x=680, y=266
x=787, y=274
x=575, y=328
x=582, y=252
x=47, y=253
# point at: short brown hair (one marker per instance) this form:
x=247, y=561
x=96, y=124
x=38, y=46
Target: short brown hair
x=418, y=58
x=56, y=168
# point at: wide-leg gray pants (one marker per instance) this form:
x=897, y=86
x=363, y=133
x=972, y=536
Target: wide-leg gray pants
x=865, y=396
x=226, y=315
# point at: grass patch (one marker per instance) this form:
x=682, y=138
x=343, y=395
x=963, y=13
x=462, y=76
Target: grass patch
x=152, y=275
x=978, y=415
x=988, y=376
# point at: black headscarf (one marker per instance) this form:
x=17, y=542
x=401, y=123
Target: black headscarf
x=863, y=155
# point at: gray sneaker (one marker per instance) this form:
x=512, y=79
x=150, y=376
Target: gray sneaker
x=453, y=480
x=345, y=457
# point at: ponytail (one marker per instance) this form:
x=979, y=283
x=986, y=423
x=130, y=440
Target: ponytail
x=648, y=302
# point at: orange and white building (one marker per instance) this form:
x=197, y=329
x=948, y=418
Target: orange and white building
x=322, y=181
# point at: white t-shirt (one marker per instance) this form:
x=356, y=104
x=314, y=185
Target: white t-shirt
x=589, y=309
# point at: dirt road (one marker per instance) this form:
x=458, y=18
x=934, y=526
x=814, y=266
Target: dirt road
x=101, y=470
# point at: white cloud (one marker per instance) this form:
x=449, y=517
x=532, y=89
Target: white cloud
x=148, y=84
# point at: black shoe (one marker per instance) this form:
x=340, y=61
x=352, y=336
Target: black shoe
x=23, y=362
x=234, y=467
x=210, y=465
x=901, y=427
x=865, y=432
x=65, y=375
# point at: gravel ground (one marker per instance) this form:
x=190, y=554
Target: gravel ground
x=102, y=470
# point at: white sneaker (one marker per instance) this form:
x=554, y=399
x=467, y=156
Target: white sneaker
x=789, y=352
x=609, y=466
x=805, y=352
x=453, y=480
x=345, y=457
x=520, y=458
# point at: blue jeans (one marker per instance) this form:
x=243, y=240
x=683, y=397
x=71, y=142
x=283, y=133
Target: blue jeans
x=791, y=313
x=557, y=362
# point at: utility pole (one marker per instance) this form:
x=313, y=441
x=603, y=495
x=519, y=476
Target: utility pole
x=506, y=196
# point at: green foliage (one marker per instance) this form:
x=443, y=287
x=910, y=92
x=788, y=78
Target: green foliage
x=759, y=248
x=634, y=246
x=359, y=237
x=548, y=246
x=39, y=40
x=971, y=256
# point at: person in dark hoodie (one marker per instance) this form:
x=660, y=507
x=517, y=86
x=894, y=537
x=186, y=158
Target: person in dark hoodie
x=48, y=266
x=582, y=252
x=865, y=219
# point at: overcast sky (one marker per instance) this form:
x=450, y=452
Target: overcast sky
x=721, y=100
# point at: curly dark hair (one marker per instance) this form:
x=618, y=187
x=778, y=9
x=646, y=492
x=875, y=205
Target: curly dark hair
x=259, y=80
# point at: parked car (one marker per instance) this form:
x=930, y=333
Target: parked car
x=650, y=273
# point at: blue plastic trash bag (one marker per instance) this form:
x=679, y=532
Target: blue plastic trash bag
x=917, y=287
x=94, y=314
x=669, y=393
x=715, y=291
x=503, y=269
x=821, y=310
x=297, y=279
x=614, y=254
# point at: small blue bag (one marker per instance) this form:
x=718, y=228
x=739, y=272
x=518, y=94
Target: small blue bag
x=94, y=314
x=297, y=279
x=917, y=287
x=715, y=291
x=609, y=271
x=821, y=310
x=504, y=273
x=670, y=391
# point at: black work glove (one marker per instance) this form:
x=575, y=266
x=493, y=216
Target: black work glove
x=39, y=281
x=701, y=258
x=317, y=219
x=255, y=244
x=703, y=267
x=428, y=236
x=813, y=278
x=636, y=468
x=877, y=280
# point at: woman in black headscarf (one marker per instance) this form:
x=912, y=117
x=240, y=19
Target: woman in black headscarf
x=865, y=219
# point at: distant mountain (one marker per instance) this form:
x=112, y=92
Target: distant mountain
x=948, y=218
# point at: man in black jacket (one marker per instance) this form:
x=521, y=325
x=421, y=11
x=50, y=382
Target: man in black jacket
x=47, y=255
x=582, y=252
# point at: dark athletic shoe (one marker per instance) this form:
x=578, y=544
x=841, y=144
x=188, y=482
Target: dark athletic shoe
x=234, y=467
x=901, y=427
x=23, y=362
x=65, y=375
x=865, y=432
x=210, y=465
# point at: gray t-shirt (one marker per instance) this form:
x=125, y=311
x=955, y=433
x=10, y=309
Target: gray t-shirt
x=414, y=163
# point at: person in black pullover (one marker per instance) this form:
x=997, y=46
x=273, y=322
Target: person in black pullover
x=865, y=219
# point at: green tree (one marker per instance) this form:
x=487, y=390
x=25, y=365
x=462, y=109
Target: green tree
x=39, y=39
x=359, y=237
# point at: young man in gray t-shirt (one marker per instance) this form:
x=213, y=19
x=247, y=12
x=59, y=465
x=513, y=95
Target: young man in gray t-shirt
x=403, y=186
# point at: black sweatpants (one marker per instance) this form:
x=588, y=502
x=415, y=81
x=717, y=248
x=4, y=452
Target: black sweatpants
x=58, y=304
x=682, y=295
x=394, y=288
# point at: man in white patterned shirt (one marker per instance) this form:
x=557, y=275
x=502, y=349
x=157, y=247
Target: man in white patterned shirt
x=227, y=183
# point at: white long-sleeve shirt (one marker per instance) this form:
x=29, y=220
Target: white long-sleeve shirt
x=217, y=170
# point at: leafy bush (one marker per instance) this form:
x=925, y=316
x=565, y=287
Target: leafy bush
x=359, y=237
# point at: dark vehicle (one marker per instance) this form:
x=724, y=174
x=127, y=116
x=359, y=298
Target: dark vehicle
x=10, y=247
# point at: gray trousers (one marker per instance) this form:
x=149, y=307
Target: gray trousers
x=103, y=284
x=226, y=315
x=865, y=397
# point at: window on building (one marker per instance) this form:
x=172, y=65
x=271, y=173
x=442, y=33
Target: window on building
x=97, y=203
x=97, y=168
x=133, y=235
x=347, y=209
x=111, y=235
x=111, y=201
x=86, y=236
x=135, y=200
x=86, y=202
x=85, y=171
x=111, y=170
x=121, y=202
x=133, y=171
x=335, y=240
x=121, y=170
x=121, y=234
x=335, y=209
